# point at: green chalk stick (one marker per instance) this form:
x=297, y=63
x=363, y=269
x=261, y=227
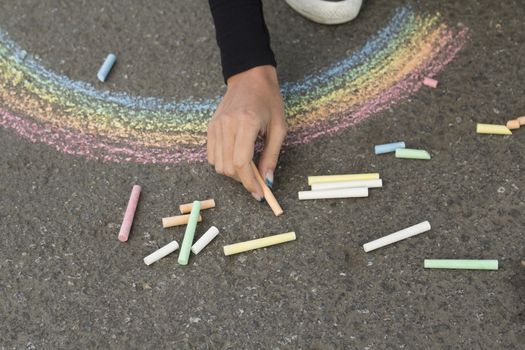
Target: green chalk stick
x=461, y=264
x=187, y=242
x=412, y=153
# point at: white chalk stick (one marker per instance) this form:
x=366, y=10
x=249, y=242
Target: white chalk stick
x=162, y=252
x=347, y=184
x=337, y=193
x=205, y=239
x=397, y=236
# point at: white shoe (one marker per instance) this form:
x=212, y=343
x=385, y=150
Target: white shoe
x=327, y=12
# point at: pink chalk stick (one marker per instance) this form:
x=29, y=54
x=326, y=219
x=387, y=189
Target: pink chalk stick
x=130, y=213
x=433, y=83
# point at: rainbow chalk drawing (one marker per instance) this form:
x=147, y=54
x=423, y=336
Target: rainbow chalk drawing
x=76, y=118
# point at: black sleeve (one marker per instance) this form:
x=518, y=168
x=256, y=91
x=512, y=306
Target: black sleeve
x=242, y=35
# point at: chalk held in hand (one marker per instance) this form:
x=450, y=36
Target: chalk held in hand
x=106, y=67
x=205, y=240
x=207, y=204
x=461, y=264
x=268, y=195
x=125, y=228
x=388, y=147
x=339, y=178
x=258, y=243
x=337, y=193
x=347, y=184
x=185, y=248
x=408, y=153
x=160, y=253
x=177, y=220
x=433, y=83
x=492, y=129
x=397, y=236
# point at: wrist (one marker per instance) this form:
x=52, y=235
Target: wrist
x=264, y=74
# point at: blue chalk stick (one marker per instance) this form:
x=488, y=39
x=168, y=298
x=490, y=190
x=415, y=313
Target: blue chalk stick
x=106, y=67
x=388, y=147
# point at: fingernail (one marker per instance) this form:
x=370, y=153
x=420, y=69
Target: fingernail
x=257, y=197
x=269, y=178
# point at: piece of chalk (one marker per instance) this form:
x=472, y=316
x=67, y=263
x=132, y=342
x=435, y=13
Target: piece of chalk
x=347, y=184
x=492, y=129
x=106, y=67
x=521, y=120
x=125, y=228
x=388, y=147
x=412, y=153
x=339, y=178
x=162, y=252
x=433, y=83
x=356, y=192
x=397, y=236
x=187, y=241
x=268, y=195
x=461, y=264
x=205, y=239
x=258, y=243
x=513, y=124
x=207, y=204
x=177, y=220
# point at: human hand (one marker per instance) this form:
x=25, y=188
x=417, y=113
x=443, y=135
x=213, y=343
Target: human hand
x=252, y=106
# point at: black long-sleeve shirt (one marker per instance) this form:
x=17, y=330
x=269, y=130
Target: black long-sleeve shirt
x=242, y=35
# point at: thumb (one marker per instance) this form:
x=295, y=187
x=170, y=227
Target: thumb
x=272, y=147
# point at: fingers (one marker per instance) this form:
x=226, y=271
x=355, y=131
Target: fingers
x=274, y=139
x=210, y=144
x=218, y=154
x=242, y=156
x=228, y=144
x=220, y=148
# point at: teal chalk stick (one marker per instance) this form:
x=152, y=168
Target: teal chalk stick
x=412, y=153
x=461, y=264
x=185, y=249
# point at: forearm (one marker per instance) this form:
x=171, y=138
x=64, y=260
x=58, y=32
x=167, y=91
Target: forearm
x=242, y=35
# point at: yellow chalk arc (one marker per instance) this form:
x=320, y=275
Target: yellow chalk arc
x=258, y=243
x=340, y=178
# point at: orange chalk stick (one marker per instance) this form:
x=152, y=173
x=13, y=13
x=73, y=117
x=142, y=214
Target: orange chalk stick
x=513, y=124
x=268, y=195
x=177, y=220
x=207, y=204
x=521, y=120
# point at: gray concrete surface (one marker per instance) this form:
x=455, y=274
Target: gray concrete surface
x=67, y=283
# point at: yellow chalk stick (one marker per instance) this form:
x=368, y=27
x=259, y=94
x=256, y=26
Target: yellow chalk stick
x=207, y=204
x=268, y=195
x=258, y=243
x=521, y=120
x=340, y=178
x=513, y=124
x=177, y=220
x=493, y=129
